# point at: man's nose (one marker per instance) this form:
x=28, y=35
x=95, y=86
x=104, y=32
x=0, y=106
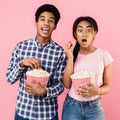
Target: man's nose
x=46, y=22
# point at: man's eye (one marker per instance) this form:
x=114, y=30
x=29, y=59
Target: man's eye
x=42, y=19
x=51, y=21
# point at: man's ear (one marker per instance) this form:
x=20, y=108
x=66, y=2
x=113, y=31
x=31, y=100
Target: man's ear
x=55, y=27
x=35, y=24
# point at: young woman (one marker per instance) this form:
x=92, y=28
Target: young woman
x=86, y=103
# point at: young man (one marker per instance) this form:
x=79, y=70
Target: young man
x=35, y=102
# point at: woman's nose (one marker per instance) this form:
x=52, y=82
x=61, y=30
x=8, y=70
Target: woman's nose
x=84, y=34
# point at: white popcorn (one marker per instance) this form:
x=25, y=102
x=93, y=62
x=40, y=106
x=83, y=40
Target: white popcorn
x=38, y=73
x=82, y=74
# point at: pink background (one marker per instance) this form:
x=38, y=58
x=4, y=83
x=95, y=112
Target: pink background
x=17, y=24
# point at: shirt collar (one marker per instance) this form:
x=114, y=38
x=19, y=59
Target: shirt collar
x=46, y=45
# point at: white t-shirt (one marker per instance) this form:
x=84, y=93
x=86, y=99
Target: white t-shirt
x=94, y=62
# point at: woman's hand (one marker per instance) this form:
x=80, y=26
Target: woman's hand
x=88, y=91
x=69, y=50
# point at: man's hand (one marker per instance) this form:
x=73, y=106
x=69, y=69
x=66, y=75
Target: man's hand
x=33, y=62
x=36, y=88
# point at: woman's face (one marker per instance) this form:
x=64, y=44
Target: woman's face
x=85, y=33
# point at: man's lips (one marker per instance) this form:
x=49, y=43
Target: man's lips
x=44, y=29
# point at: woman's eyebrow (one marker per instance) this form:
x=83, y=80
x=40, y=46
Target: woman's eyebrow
x=86, y=27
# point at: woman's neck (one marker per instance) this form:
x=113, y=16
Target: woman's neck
x=87, y=50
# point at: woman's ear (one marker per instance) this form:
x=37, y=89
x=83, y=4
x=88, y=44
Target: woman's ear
x=95, y=33
x=75, y=35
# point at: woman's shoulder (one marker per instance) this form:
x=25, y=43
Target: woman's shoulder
x=102, y=51
x=106, y=55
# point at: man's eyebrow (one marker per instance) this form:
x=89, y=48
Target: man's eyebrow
x=41, y=16
x=52, y=18
x=44, y=17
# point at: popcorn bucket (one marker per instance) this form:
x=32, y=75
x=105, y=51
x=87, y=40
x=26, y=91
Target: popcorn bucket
x=82, y=79
x=82, y=82
x=38, y=75
x=43, y=80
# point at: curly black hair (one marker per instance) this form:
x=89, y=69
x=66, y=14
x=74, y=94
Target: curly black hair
x=49, y=8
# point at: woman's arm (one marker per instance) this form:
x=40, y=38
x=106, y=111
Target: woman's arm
x=69, y=66
x=106, y=80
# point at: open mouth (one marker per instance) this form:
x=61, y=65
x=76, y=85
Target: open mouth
x=44, y=29
x=84, y=40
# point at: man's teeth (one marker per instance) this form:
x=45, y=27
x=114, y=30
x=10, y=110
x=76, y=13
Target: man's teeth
x=45, y=29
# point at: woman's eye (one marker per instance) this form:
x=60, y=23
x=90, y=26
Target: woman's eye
x=79, y=30
x=88, y=30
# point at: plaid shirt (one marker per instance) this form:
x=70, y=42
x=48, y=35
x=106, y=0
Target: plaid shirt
x=52, y=59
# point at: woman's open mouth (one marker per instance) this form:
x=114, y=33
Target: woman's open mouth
x=84, y=40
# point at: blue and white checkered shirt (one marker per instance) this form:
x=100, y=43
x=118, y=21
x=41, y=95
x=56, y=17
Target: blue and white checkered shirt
x=52, y=59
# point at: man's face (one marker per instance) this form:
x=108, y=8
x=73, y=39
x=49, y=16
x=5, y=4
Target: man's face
x=45, y=25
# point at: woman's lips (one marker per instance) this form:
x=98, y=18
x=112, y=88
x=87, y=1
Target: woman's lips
x=84, y=40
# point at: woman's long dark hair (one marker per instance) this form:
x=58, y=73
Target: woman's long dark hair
x=75, y=51
x=76, y=22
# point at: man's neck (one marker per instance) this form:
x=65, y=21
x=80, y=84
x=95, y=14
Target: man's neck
x=42, y=40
